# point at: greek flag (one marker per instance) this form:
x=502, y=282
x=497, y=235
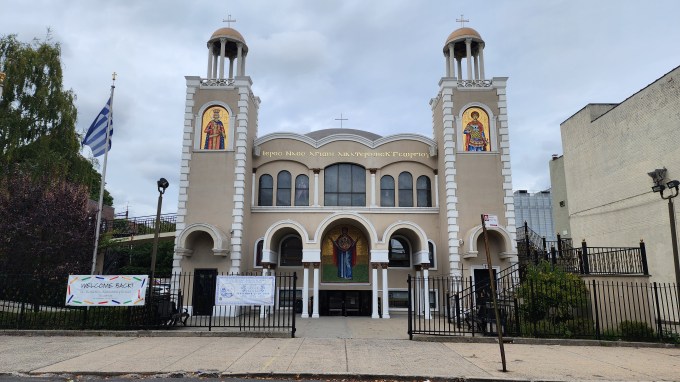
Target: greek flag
x=96, y=134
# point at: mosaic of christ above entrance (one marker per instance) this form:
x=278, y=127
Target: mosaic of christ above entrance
x=344, y=256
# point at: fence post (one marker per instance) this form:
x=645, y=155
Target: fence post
x=410, y=309
x=643, y=256
x=545, y=245
x=659, y=329
x=457, y=298
x=553, y=257
x=518, y=328
x=584, y=258
x=597, y=311
x=532, y=304
x=292, y=332
x=559, y=244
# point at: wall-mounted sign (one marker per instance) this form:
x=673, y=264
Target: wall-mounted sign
x=491, y=220
x=117, y=290
x=245, y=290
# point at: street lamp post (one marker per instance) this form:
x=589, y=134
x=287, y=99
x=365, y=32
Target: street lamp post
x=659, y=175
x=162, y=185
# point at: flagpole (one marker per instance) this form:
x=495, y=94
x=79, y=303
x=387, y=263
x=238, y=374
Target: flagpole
x=103, y=182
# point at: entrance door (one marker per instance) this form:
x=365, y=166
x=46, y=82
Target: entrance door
x=345, y=303
x=482, y=285
x=204, y=291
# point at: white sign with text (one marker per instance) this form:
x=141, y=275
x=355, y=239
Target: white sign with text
x=110, y=290
x=245, y=290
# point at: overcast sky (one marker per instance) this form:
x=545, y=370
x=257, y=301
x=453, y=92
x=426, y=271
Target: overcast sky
x=376, y=62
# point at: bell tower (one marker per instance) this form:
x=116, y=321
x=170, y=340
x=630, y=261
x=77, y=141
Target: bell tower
x=220, y=124
x=470, y=125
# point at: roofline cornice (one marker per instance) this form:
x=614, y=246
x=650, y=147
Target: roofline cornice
x=372, y=144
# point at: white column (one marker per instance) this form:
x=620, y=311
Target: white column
x=209, y=60
x=305, y=291
x=231, y=67
x=214, y=68
x=372, y=187
x=468, y=51
x=375, y=313
x=239, y=56
x=436, y=190
x=243, y=66
x=316, y=187
x=481, y=61
x=451, y=61
x=460, y=68
x=315, y=306
x=426, y=288
x=385, y=295
x=476, y=61
x=223, y=44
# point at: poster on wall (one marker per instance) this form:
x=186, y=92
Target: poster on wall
x=344, y=256
x=245, y=290
x=491, y=220
x=116, y=290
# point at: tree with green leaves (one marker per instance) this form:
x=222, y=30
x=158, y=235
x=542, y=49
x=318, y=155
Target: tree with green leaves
x=38, y=117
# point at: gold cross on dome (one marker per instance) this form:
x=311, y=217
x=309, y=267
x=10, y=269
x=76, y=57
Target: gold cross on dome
x=229, y=20
x=462, y=21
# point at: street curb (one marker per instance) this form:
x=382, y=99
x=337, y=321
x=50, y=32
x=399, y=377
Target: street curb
x=545, y=341
x=139, y=333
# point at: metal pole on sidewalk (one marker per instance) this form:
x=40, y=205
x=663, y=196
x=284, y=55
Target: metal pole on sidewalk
x=492, y=282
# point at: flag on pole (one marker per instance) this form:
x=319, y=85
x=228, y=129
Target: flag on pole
x=96, y=134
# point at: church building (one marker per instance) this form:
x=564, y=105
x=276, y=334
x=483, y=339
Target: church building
x=351, y=212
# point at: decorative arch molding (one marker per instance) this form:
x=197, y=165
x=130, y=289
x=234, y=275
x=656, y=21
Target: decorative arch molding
x=492, y=128
x=473, y=234
x=323, y=226
x=198, y=120
x=413, y=227
x=371, y=144
x=220, y=239
x=282, y=224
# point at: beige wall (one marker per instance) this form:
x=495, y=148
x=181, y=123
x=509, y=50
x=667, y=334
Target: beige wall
x=606, y=160
x=558, y=193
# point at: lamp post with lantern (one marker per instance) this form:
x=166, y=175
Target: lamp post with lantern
x=659, y=177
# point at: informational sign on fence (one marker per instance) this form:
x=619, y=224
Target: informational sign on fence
x=97, y=290
x=245, y=290
x=491, y=220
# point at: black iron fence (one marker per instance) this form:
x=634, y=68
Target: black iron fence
x=183, y=299
x=551, y=304
x=141, y=225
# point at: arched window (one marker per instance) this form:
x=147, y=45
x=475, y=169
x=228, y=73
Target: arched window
x=430, y=247
x=405, y=189
x=290, y=254
x=302, y=190
x=266, y=195
x=400, y=253
x=423, y=191
x=387, y=191
x=344, y=185
x=283, y=189
x=258, y=253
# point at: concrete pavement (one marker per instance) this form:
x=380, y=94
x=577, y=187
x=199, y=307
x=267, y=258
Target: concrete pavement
x=330, y=347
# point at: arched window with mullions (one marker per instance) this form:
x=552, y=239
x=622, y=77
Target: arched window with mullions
x=290, y=254
x=302, y=190
x=387, y=191
x=344, y=185
x=283, y=189
x=399, y=252
x=265, y=197
x=423, y=191
x=405, y=189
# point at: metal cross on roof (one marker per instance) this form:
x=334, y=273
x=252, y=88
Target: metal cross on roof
x=229, y=21
x=341, y=119
x=462, y=21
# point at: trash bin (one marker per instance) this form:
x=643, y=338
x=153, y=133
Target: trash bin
x=298, y=306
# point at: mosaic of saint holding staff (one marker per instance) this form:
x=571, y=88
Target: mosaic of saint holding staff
x=214, y=133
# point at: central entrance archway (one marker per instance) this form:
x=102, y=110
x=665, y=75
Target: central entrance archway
x=345, y=272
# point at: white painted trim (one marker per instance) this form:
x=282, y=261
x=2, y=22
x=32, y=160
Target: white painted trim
x=325, y=223
x=372, y=144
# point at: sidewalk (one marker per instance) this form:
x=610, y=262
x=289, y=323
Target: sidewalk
x=331, y=348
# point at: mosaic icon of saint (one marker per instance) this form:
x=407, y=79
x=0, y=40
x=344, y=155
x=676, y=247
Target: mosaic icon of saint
x=475, y=139
x=345, y=254
x=214, y=133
